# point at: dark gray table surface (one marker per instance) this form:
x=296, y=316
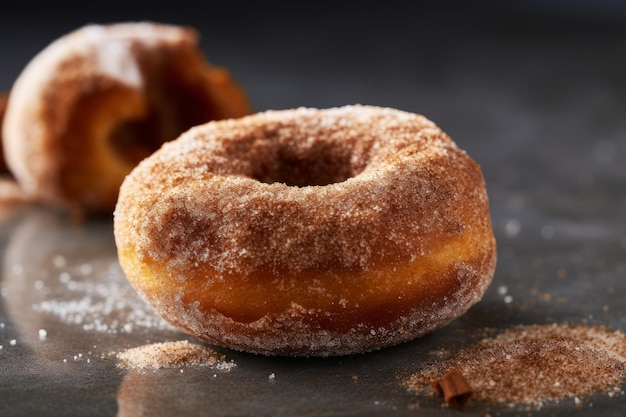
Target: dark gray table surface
x=536, y=94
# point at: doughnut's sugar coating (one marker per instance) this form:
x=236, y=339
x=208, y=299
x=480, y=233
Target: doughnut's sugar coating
x=93, y=103
x=308, y=232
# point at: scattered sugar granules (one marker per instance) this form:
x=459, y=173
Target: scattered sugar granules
x=173, y=355
x=97, y=298
x=534, y=365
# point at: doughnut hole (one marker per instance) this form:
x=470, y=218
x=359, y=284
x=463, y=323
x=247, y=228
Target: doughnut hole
x=93, y=116
x=296, y=157
x=319, y=165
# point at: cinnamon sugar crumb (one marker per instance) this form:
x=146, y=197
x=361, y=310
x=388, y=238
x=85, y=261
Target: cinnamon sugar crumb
x=535, y=365
x=173, y=355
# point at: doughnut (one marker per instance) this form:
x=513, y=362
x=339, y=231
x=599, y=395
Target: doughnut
x=308, y=232
x=92, y=104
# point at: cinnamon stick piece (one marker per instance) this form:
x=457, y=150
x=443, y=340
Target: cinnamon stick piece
x=454, y=388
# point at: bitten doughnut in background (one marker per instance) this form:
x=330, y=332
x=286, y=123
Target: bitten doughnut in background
x=95, y=102
x=308, y=232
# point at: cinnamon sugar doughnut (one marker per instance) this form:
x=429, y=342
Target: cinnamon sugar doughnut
x=95, y=102
x=308, y=232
